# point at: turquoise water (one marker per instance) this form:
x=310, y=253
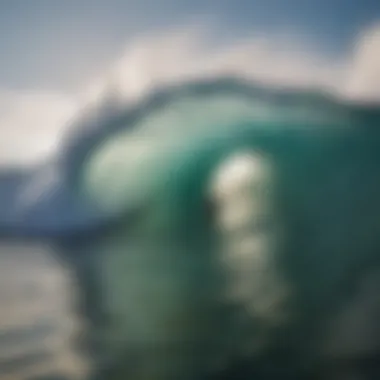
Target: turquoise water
x=162, y=278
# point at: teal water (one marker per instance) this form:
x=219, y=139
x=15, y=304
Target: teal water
x=163, y=277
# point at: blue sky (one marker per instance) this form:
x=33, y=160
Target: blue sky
x=55, y=53
x=62, y=44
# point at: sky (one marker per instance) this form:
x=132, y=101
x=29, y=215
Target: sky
x=58, y=55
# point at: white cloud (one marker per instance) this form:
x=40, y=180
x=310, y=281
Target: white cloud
x=169, y=57
x=364, y=66
x=31, y=123
x=276, y=60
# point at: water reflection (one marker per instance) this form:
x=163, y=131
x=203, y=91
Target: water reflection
x=38, y=328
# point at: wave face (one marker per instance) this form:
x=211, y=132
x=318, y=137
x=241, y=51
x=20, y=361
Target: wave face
x=276, y=267
x=255, y=233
